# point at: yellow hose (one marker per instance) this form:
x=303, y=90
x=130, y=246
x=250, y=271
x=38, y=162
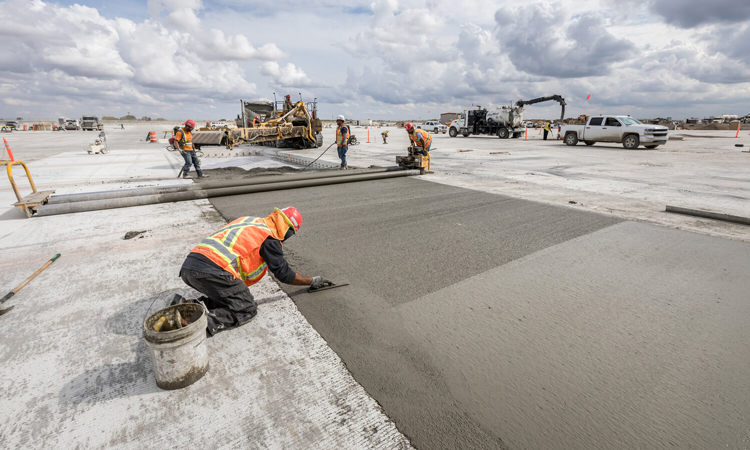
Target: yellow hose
x=429, y=160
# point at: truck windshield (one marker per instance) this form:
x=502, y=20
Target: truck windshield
x=629, y=121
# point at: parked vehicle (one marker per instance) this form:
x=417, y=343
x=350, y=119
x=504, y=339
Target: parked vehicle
x=91, y=123
x=72, y=124
x=505, y=121
x=12, y=124
x=621, y=129
x=433, y=126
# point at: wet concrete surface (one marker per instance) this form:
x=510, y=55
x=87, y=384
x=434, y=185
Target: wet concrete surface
x=396, y=241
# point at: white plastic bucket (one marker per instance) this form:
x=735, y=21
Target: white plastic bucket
x=179, y=357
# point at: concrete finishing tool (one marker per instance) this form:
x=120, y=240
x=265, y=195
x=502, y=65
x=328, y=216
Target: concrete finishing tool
x=327, y=285
x=14, y=291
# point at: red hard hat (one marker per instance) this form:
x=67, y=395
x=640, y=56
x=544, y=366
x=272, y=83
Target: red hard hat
x=294, y=217
x=190, y=123
x=257, y=117
x=409, y=126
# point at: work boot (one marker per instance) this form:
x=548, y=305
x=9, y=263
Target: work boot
x=202, y=176
x=185, y=175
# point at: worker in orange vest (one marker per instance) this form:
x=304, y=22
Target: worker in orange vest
x=342, y=141
x=256, y=121
x=224, y=264
x=420, y=139
x=183, y=140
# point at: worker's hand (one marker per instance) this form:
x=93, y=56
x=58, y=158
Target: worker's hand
x=317, y=282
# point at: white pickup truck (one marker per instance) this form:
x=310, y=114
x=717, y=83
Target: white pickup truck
x=433, y=126
x=620, y=129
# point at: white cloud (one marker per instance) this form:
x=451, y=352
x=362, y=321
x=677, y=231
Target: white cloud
x=288, y=76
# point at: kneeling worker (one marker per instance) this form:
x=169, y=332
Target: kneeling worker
x=420, y=139
x=224, y=264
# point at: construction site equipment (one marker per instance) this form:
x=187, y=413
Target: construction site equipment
x=96, y=148
x=327, y=284
x=31, y=202
x=91, y=123
x=505, y=121
x=27, y=281
x=123, y=202
x=104, y=195
x=179, y=356
x=298, y=127
x=415, y=161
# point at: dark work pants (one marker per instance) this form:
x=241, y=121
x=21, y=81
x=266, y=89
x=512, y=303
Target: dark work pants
x=230, y=303
x=545, y=134
x=191, y=158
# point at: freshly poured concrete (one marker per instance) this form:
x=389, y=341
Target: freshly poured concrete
x=396, y=241
x=481, y=321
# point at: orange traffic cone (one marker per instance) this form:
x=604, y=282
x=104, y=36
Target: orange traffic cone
x=7, y=149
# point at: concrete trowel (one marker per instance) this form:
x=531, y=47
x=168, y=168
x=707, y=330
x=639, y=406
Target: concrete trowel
x=327, y=284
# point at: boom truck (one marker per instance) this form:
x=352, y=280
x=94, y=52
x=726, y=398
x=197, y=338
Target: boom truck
x=505, y=121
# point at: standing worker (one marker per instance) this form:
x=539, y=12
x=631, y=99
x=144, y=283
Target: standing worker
x=342, y=141
x=420, y=139
x=224, y=264
x=385, y=136
x=288, y=104
x=256, y=121
x=183, y=140
x=546, y=130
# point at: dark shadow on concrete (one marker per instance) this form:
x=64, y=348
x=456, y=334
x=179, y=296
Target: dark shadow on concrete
x=111, y=381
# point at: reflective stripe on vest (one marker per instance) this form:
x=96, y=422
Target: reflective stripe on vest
x=421, y=138
x=186, y=143
x=241, y=258
x=342, y=135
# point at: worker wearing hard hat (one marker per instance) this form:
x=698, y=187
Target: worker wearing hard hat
x=420, y=139
x=225, y=264
x=183, y=140
x=342, y=141
x=256, y=121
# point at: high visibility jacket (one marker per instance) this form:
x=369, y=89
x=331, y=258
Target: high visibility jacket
x=256, y=122
x=236, y=247
x=185, y=138
x=546, y=126
x=342, y=135
x=420, y=138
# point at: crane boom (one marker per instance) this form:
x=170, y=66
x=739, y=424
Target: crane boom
x=555, y=97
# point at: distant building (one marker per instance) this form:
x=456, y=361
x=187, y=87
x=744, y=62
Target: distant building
x=447, y=117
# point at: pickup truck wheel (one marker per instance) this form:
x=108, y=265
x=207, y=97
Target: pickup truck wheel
x=631, y=141
x=503, y=133
x=571, y=139
x=589, y=142
x=453, y=132
x=650, y=146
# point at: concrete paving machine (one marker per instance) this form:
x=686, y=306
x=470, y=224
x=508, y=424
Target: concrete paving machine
x=294, y=126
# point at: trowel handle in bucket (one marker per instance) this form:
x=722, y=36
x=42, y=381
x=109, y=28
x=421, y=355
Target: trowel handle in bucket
x=28, y=280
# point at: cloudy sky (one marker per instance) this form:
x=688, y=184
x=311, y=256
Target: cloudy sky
x=391, y=59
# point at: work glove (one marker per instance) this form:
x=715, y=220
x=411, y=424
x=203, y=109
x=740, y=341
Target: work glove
x=317, y=282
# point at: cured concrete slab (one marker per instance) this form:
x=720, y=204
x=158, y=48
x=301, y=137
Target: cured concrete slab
x=396, y=241
x=75, y=371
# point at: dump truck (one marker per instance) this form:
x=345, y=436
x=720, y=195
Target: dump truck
x=91, y=123
x=504, y=121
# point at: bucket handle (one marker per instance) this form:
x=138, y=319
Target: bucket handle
x=203, y=305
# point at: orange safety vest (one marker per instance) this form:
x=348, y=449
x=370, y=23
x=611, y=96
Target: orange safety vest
x=236, y=247
x=256, y=122
x=185, y=140
x=342, y=135
x=420, y=138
